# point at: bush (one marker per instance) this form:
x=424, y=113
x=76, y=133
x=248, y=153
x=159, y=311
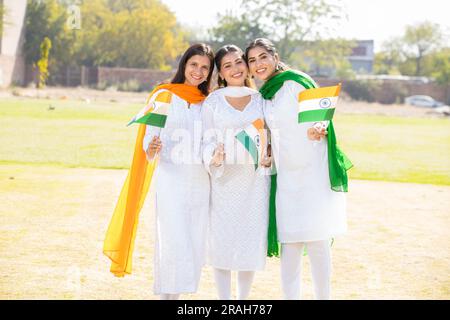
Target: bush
x=130, y=86
x=363, y=90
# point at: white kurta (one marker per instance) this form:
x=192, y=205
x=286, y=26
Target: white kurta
x=182, y=200
x=307, y=209
x=239, y=194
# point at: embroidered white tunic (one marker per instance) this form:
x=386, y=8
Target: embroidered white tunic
x=239, y=195
x=182, y=200
x=307, y=209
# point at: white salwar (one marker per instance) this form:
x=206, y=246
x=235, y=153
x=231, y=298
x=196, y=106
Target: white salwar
x=239, y=194
x=181, y=187
x=306, y=206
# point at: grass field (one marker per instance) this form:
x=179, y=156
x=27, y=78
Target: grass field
x=77, y=134
x=53, y=221
x=61, y=172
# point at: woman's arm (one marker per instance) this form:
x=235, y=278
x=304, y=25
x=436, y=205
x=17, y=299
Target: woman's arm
x=212, y=150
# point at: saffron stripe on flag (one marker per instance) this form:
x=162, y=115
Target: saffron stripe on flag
x=319, y=93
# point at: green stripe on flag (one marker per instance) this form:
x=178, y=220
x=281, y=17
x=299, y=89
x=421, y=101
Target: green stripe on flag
x=249, y=144
x=316, y=115
x=153, y=119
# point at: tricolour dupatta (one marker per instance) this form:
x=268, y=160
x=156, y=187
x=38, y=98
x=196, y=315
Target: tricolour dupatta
x=338, y=162
x=121, y=233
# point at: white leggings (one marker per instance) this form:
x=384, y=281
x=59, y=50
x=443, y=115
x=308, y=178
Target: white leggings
x=320, y=258
x=223, y=283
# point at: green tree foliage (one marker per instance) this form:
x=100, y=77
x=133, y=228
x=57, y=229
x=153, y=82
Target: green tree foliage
x=42, y=64
x=2, y=16
x=141, y=34
x=48, y=19
x=388, y=60
x=116, y=33
x=287, y=23
x=441, y=66
x=321, y=56
x=233, y=29
x=420, y=40
x=421, y=51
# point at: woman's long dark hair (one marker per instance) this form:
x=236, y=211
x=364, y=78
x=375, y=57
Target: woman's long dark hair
x=267, y=45
x=200, y=49
x=222, y=52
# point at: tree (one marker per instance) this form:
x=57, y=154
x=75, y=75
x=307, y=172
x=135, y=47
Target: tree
x=42, y=64
x=140, y=34
x=441, y=66
x=289, y=23
x=48, y=19
x=420, y=40
x=322, y=57
x=2, y=16
x=389, y=59
x=420, y=51
x=237, y=30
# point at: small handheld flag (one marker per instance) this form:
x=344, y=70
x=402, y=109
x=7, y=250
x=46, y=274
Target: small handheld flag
x=317, y=104
x=155, y=113
x=254, y=140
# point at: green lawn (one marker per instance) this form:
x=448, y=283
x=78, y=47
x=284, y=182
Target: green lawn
x=77, y=134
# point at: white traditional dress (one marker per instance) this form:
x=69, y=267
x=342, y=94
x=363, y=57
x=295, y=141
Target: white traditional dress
x=306, y=207
x=182, y=200
x=239, y=194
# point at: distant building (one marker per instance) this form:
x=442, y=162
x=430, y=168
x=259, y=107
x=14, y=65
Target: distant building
x=12, y=62
x=362, y=57
x=361, y=60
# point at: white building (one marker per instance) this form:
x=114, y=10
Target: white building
x=12, y=62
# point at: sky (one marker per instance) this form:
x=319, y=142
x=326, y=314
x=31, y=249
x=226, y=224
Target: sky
x=377, y=20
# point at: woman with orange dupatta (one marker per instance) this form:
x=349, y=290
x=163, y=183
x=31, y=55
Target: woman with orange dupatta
x=172, y=156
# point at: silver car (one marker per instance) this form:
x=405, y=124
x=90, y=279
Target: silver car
x=423, y=101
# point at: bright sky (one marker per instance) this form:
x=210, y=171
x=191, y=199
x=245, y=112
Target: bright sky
x=367, y=19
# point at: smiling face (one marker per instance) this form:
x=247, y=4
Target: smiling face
x=261, y=63
x=233, y=69
x=197, y=69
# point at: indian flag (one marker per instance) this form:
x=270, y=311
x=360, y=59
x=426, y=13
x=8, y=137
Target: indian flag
x=254, y=140
x=317, y=104
x=155, y=113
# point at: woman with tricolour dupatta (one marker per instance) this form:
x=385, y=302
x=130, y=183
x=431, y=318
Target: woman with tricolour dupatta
x=169, y=150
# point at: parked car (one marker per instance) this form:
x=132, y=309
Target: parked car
x=423, y=101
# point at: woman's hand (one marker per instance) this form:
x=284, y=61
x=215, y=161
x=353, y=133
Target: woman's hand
x=267, y=158
x=218, y=156
x=154, y=147
x=266, y=162
x=317, y=132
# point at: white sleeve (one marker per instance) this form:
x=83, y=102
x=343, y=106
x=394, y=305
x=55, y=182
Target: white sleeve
x=209, y=137
x=150, y=131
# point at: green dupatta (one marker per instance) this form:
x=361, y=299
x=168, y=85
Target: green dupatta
x=338, y=162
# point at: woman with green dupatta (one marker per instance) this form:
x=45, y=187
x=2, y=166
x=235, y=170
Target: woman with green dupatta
x=308, y=204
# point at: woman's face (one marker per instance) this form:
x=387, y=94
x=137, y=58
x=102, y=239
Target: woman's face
x=197, y=69
x=233, y=69
x=261, y=63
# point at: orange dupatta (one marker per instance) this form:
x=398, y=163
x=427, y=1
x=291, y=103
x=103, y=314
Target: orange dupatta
x=121, y=233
